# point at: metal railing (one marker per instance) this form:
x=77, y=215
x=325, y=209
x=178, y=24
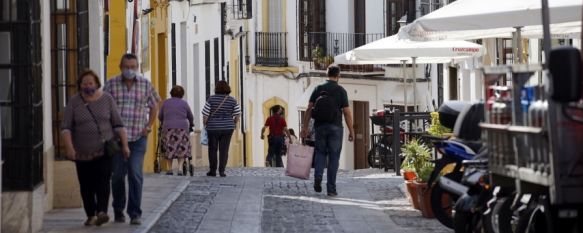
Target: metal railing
x=271, y=49
x=332, y=44
x=319, y=48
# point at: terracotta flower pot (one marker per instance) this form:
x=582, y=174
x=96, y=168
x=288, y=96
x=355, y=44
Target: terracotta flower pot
x=424, y=196
x=409, y=175
x=412, y=195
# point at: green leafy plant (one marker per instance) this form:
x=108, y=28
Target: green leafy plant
x=425, y=173
x=328, y=59
x=407, y=166
x=317, y=53
x=416, y=155
x=436, y=129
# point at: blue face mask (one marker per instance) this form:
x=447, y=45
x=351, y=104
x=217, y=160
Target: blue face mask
x=89, y=90
x=129, y=73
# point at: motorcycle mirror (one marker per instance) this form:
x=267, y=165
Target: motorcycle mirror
x=565, y=69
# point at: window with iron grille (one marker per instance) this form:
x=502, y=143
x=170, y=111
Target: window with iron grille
x=21, y=100
x=217, y=60
x=242, y=9
x=395, y=10
x=312, y=19
x=207, y=67
x=69, y=57
x=173, y=45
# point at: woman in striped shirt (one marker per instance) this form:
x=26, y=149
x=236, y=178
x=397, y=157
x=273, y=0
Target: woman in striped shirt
x=220, y=115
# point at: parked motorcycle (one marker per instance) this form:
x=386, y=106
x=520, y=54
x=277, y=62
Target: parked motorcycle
x=453, y=152
x=383, y=142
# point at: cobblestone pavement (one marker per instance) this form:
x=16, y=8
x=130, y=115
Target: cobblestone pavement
x=264, y=200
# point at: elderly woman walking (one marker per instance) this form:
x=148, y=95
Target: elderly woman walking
x=176, y=119
x=220, y=115
x=91, y=118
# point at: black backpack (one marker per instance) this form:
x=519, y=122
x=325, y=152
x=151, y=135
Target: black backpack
x=325, y=108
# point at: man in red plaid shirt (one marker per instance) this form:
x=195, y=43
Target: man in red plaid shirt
x=137, y=102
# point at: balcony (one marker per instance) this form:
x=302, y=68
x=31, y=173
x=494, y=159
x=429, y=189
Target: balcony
x=319, y=48
x=271, y=49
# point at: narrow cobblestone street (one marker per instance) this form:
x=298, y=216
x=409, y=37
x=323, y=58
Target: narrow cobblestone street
x=264, y=200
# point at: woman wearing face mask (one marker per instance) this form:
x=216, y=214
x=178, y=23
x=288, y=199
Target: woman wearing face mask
x=90, y=119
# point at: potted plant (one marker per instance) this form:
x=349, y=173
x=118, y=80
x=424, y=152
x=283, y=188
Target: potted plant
x=424, y=191
x=408, y=170
x=328, y=60
x=317, y=56
x=415, y=157
x=416, y=154
x=436, y=128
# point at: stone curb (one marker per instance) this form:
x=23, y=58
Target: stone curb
x=157, y=213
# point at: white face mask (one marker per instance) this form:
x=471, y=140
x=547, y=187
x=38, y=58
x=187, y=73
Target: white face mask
x=129, y=73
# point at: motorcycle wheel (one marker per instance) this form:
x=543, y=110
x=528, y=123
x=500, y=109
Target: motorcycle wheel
x=461, y=220
x=442, y=203
x=502, y=216
x=487, y=222
x=376, y=157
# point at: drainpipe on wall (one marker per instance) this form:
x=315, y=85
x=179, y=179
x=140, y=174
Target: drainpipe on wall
x=1, y=165
x=242, y=97
x=105, y=36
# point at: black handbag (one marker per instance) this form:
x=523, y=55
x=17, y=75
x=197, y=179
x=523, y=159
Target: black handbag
x=112, y=146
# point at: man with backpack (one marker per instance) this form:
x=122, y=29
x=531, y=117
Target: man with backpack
x=328, y=103
x=277, y=129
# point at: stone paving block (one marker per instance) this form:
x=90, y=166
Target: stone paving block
x=215, y=226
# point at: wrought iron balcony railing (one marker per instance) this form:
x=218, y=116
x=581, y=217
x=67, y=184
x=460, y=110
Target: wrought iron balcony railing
x=332, y=44
x=271, y=49
x=319, y=48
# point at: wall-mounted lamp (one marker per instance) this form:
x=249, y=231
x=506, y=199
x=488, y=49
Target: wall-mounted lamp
x=402, y=21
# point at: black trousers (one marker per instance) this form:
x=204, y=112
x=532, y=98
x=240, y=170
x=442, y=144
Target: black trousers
x=219, y=140
x=274, y=150
x=95, y=184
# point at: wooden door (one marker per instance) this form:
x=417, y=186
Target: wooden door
x=361, y=134
x=453, y=83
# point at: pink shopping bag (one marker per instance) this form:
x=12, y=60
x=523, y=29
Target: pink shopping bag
x=299, y=161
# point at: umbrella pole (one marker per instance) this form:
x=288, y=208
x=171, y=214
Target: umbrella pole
x=518, y=59
x=414, y=86
x=546, y=30
x=404, y=84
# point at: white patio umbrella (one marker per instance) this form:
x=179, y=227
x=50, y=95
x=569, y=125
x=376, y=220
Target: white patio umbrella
x=473, y=19
x=395, y=50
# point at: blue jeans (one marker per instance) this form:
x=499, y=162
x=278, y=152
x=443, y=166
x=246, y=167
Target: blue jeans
x=274, y=151
x=133, y=167
x=327, y=148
